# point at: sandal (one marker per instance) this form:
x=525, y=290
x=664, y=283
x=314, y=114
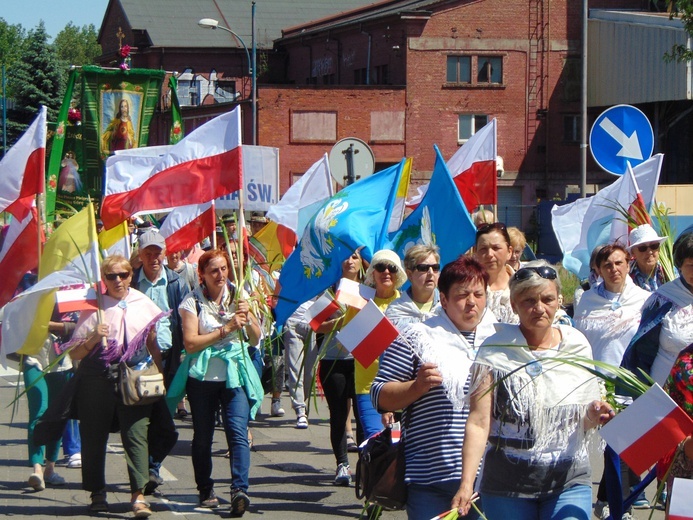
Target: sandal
x=98, y=502
x=140, y=509
x=352, y=447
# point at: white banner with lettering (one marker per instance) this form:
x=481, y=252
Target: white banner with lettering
x=260, y=180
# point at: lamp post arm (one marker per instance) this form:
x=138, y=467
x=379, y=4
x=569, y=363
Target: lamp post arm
x=245, y=47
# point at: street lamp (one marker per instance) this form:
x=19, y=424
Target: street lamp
x=211, y=23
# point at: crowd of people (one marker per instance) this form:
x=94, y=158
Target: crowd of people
x=492, y=418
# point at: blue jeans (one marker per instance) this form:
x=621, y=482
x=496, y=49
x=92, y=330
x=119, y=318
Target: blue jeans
x=368, y=416
x=427, y=501
x=72, y=442
x=204, y=398
x=574, y=503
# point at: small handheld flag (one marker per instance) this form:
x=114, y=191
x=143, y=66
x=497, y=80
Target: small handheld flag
x=368, y=334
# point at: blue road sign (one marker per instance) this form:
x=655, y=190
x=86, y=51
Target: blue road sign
x=621, y=134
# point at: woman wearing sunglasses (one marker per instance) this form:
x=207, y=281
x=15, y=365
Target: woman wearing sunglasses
x=645, y=269
x=386, y=274
x=493, y=251
x=419, y=301
x=533, y=412
x=129, y=328
x=666, y=327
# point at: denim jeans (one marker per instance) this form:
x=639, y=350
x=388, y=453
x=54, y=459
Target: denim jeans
x=427, y=501
x=204, y=398
x=574, y=503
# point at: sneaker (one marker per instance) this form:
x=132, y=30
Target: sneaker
x=98, y=502
x=36, y=481
x=641, y=502
x=239, y=502
x=154, y=482
x=208, y=499
x=601, y=509
x=343, y=477
x=54, y=480
x=662, y=500
x=75, y=461
x=277, y=410
x=627, y=516
x=302, y=422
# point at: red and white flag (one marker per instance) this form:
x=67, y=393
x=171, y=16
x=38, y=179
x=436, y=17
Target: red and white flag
x=353, y=294
x=19, y=253
x=186, y=226
x=681, y=501
x=22, y=170
x=205, y=165
x=647, y=430
x=323, y=308
x=79, y=299
x=473, y=169
x=368, y=334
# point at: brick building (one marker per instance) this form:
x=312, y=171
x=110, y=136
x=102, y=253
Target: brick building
x=401, y=75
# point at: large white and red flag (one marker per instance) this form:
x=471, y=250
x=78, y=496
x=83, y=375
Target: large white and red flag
x=473, y=169
x=648, y=429
x=188, y=225
x=681, y=501
x=22, y=170
x=323, y=308
x=18, y=254
x=368, y=334
x=206, y=164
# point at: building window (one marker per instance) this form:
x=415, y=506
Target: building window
x=382, y=75
x=360, y=76
x=469, y=124
x=490, y=69
x=328, y=79
x=572, y=124
x=459, y=69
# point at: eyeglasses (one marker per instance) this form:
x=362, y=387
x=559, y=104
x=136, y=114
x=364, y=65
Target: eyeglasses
x=114, y=276
x=487, y=228
x=546, y=272
x=423, y=268
x=651, y=247
x=381, y=268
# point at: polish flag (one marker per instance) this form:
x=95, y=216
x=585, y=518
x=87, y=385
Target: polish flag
x=647, y=430
x=188, y=225
x=353, y=294
x=322, y=309
x=204, y=165
x=473, y=169
x=368, y=334
x=80, y=299
x=22, y=170
x=681, y=501
x=19, y=253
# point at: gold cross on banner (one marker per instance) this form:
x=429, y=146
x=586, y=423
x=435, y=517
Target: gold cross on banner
x=121, y=36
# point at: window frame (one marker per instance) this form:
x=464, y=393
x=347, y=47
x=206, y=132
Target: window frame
x=473, y=119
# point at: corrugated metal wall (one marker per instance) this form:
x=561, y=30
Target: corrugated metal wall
x=626, y=59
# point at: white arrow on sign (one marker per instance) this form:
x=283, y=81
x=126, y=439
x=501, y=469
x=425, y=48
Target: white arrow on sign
x=630, y=146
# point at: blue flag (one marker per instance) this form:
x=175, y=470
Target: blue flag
x=355, y=217
x=441, y=219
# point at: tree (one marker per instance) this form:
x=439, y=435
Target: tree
x=36, y=78
x=682, y=9
x=77, y=46
x=11, y=43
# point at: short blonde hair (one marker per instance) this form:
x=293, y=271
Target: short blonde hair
x=114, y=260
x=518, y=241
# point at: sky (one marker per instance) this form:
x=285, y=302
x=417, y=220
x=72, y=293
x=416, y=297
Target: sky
x=56, y=14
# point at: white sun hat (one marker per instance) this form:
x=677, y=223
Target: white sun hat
x=643, y=234
x=386, y=256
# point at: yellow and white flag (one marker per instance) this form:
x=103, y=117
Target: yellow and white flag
x=398, y=209
x=70, y=257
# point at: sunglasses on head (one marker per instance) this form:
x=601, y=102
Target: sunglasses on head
x=546, y=272
x=423, y=268
x=381, y=268
x=651, y=247
x=487, y=228
x=114, y=276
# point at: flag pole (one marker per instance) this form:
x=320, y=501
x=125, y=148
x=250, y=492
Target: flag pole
x=97, y=258
x=214, y=231
x=38, y=226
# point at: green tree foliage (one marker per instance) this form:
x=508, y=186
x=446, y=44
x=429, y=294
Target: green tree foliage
x=77, y=46
x=682, y=9
x=11, y=43
x=35, y=78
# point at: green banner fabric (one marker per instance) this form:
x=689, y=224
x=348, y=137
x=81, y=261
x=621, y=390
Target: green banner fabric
x=177, y=128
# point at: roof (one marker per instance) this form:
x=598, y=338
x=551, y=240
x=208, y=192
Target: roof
x=373, y=12
x=173, y=23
